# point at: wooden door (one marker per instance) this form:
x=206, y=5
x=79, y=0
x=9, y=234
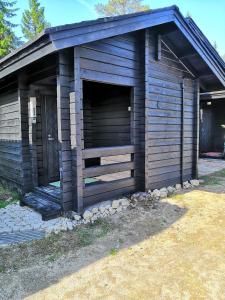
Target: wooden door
x=206, y=133
x=50, y=139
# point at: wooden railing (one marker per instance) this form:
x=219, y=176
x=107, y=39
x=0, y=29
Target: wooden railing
x=106, y=190
x=107, y=151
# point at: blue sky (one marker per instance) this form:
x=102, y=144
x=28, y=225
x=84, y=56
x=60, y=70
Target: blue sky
x=209, y=15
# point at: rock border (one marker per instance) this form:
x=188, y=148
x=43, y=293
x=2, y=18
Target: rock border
x=106, y=208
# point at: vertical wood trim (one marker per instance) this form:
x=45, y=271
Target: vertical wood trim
x=132, y=126
x=197, y=129
x=44, y=138
x=26, y=164
x=33, y=137
x=182, y=132
x=147, y=99
x=158, y=48
x=76, y=141
x=63, y=114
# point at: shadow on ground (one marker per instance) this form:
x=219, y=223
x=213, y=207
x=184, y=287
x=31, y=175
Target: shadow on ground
x=35, y=266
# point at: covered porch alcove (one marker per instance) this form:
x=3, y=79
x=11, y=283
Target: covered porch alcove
x=212, y=125
x=108, y=151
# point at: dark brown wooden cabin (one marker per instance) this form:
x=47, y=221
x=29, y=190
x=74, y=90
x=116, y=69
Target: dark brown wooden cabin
x=95, y=110
x=212, y=125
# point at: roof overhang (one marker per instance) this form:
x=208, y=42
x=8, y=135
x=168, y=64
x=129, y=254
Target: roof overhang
x=61, y=37
x=213, y=95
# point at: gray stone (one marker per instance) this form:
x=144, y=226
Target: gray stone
x=94, y=210
x=87, y=215
x=119, y=209
x=115, y=204
x=178, y=187
x=163, y=193
x=125, y=202
x=156, y=194
x=194, y=182
x=186, y=185
x=170, y=190
x=77, y=217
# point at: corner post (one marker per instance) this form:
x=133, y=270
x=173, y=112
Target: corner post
x=26, y=167
x=76, y=139
x=197, y=129
x=64, y=78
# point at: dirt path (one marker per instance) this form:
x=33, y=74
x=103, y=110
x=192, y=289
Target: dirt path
x=174, y=249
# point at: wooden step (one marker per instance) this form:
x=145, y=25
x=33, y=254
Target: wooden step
x=45, y=206
x=49, y=192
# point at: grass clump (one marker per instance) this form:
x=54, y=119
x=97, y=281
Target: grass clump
x=87, y=235
x=2, y=269
x=8, y=197
x=113, y=251
x=210, y=180
x=53, y=257
x=213, y=179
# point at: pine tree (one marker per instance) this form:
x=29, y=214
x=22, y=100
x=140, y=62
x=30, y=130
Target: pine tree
x=8, y=39
x=33, y=20
x=120, y=7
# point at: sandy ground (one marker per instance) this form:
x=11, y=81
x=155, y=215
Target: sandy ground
x=173, y=249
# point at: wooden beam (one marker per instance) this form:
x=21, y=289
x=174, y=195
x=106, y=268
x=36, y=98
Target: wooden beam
x=108, y=169
x=213, y=95
x=188, y=53
x=182, y=133
x=197, y=130
x=26, y=164
x=158, y=47
x=108, y=186
x=107, y=151
x=64, y=78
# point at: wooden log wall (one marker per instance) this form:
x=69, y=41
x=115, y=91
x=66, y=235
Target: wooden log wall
x=10, y=139
x=171, y=115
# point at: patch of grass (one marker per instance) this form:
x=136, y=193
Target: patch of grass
x=84, y=236
x=220, y=173
x=210, y=180
x=102, y=227
x=87, y=235
x=121, y=241
x=53, y=257
x=2, y=269
x=113, y=251
x=8, y=197
x=214, y=178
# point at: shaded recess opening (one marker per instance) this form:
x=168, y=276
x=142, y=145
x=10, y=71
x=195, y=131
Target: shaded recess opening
x=106, y=123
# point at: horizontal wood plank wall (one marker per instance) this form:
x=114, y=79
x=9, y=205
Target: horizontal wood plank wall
x=10, y=139
x=164, y=154
x=117, y=61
